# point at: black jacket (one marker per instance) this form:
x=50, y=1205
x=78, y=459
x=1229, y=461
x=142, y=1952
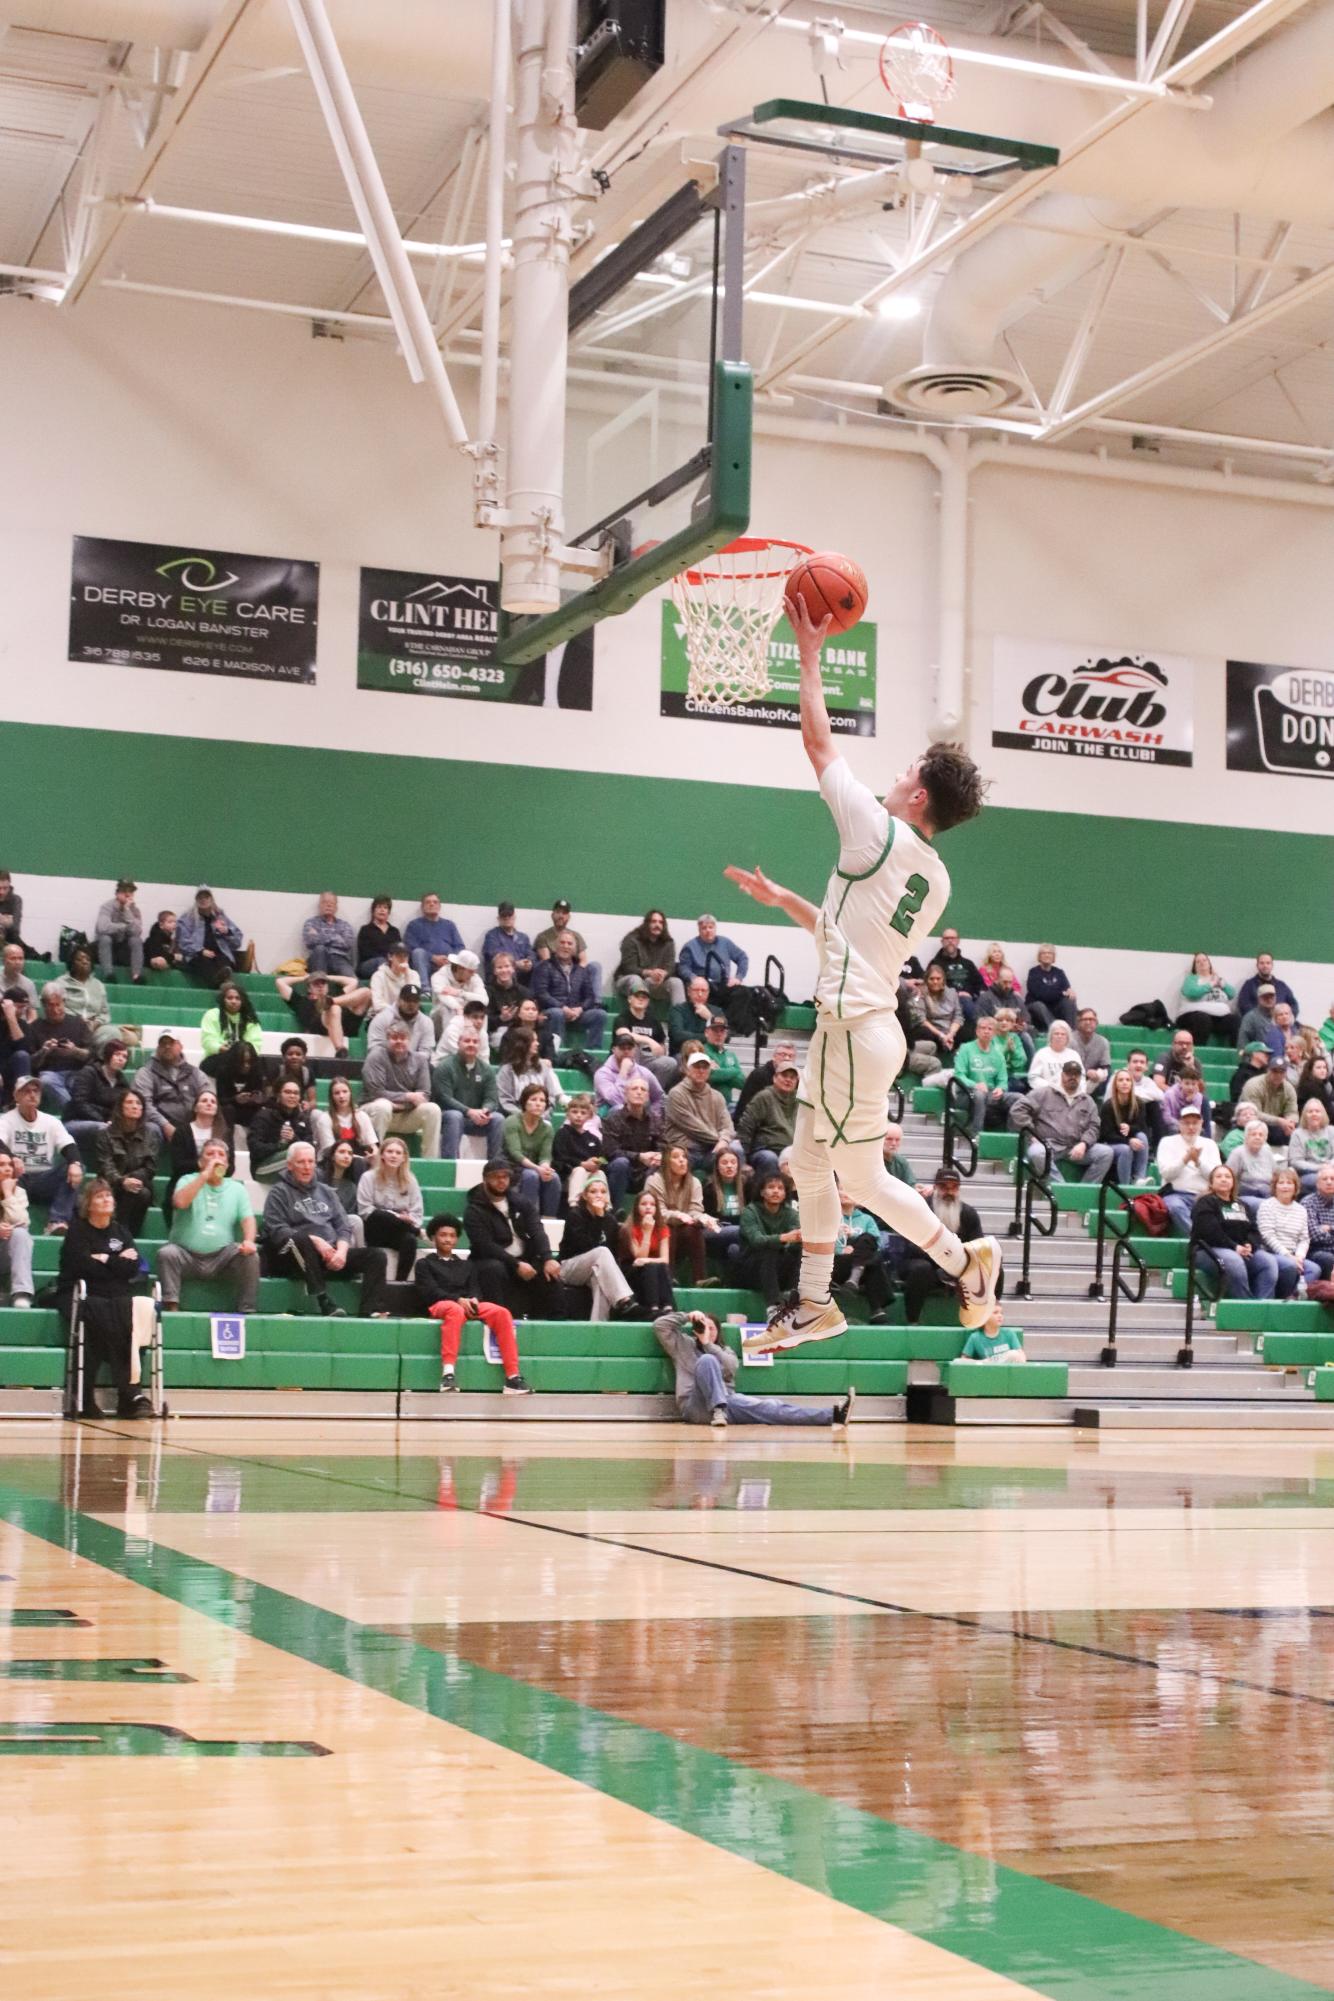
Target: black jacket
x=586, y=1232
x=266, y=1132
x=95, y=1257
x=960, y=973
x=435, y=1278
x=571, y=1148
x=92, y=1094
x=489, y=1230
x=758, y=1080
x=1216, y=1230
x=1110, y=1122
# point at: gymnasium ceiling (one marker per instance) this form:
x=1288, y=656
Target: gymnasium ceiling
x=1140, y=302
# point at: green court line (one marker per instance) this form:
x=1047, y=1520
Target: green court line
x=1052, y=1940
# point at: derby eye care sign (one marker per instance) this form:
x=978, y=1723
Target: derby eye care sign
x=195, y=611
x=1090, y=701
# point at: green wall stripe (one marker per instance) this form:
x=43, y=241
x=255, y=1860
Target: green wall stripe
x=1053, y=1940
x=271, y=816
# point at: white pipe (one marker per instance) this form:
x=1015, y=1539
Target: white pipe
x=374, y=211
x=547, y=154
x=881, y=436
x=305, y=232
x=495, y=220
x=1087, y=79
x=947, y=679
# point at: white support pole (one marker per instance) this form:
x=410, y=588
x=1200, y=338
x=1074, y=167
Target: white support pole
x=370, y=199
x=547, y=158
x=486, y=476
x=949, y=676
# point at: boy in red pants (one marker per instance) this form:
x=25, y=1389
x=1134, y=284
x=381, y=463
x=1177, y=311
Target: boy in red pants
x=454, y=1289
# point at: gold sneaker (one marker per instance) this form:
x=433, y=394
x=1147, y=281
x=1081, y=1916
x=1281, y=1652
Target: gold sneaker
x=795, y=1322
x=979, y=1280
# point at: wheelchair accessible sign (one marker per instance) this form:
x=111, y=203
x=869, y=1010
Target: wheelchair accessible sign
x=227, y=1334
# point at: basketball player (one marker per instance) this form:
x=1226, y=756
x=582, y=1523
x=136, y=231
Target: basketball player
x=883, y=902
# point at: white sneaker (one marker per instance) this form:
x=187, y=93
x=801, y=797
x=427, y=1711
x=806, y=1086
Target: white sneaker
x=795, y=1322
x=843, y=1411
x=718, y=1422
x=977, y=1285
x=23, y=1300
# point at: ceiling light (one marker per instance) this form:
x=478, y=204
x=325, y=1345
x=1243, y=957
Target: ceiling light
x=899, y=306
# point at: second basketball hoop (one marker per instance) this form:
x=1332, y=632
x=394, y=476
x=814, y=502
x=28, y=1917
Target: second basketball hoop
x=916, y=70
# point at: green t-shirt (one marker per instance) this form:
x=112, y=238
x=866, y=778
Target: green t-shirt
x=213, y=1220
x=981, y=1346
x=974, y=1065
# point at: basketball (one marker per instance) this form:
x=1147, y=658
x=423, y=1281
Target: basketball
x=829, y=585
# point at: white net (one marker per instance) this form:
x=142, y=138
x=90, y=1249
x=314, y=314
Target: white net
x=729, y=607
x=916, y=70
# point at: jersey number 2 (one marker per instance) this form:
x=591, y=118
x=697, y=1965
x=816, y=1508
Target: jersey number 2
x=909, y=905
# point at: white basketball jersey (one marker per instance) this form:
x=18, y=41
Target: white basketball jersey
x=884, y=899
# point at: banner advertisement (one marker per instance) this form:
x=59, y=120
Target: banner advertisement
x=431, y=635
x=1280, y=719
x=193, y=611
x=1091, y=701
x=847, y=660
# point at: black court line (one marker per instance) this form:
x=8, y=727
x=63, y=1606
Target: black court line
x=940, y=1618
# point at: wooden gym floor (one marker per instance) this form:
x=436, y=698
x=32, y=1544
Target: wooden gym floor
x=628, y=1712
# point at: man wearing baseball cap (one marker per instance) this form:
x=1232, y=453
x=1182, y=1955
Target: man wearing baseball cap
x=1258, y=1023
x=1271, y=1096
x=1060, y=1124
x=1185, y=1160
x=505, y=936
x=768, y=1125
x=918, y=1275
x=694, y=1115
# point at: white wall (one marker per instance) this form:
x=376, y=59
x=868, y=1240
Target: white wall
x=159, y=420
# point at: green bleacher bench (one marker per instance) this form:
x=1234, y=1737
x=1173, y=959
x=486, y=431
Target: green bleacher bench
x=998, y=1146
x=1323, y=1385
x=1007, y=1379
x=1285, y=1316
x=1295, y=1351
x=929, y=1101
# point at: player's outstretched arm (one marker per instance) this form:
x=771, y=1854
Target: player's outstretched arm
x=816, y=734
x=754, y=882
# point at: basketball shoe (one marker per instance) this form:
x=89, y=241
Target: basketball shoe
x=979, y=1280
x=794, y=1323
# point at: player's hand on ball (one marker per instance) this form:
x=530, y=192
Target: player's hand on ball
x=753, y=882
x=809, y=631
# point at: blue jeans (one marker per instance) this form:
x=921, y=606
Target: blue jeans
x=1130, y=1159
x=328, y=959
x=422, y=967
x=591, y=1025
x=55, y=1086
x=725, y=1244
x=453, y=1125
x=51, y=1186
x=618, y=1178
x=1179, y=1208
x=764, y=1162
x=546, y=1194
x=84, y=1132
x=1254, y=1277
x=709, y=1391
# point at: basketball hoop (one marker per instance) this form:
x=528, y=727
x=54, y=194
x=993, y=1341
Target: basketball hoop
x=729, y=607
x=916, y=70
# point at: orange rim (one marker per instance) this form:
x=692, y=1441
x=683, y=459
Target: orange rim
x=748, y=545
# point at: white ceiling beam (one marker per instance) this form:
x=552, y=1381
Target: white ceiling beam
x=1073, y=365
x=1170, y=30
x=203, y=68
x=1259, y=284
x=1221, y=48
x=1184, y=358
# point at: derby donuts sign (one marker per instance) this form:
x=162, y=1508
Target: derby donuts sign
x=1073, y=701
x=1280, y=719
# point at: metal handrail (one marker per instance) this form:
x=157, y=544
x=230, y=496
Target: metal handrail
x=1126, y=1199
x=1194, y=1289
x=1024, y=1222
x=1121, y=1289
x=963, y=1103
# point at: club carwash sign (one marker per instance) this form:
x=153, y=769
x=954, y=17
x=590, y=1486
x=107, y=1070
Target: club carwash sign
x=1089, y=701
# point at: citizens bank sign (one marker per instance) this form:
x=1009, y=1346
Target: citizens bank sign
x=1076, y=701
x=1280, y=719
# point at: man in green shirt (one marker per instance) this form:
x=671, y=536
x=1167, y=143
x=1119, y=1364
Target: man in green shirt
x=727, y=1075
x=464, y=1087
x=212, y=1232
x=993, y=1343
x=980, y=1067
